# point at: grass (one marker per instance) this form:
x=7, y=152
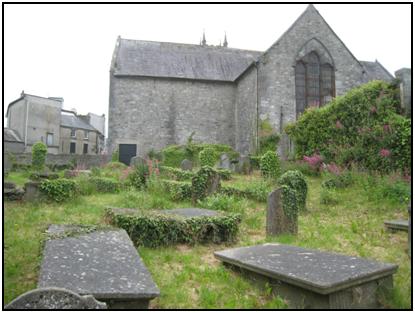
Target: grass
x=189, y=276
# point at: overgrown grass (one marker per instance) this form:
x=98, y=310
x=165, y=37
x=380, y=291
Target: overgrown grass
x=190, y=277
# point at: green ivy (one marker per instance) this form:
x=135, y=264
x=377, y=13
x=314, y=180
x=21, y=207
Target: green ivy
x=207, y=157
x=178, y=190
x=153, y=229
x=296, y=181
x=201, y=181
x=106, y=185
x=175, y=173
x=224, y=174
x=290, y=202
x=138, y=177
x=115, y=157
x=58, y=189
x=39, y=151
x=270, y=165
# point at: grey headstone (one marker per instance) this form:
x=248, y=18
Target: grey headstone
x=137, y=160
x=191, y=212
x=75, y=173
x=186, y=165
x=9, y=185
x=104, y=264
x=32, y=191
x=314, y=279
x=395, y=225
x=224, y=161
x=410, y=229
x=277, y=221
x=244, y=165
x=11, y=192
x=54, y=299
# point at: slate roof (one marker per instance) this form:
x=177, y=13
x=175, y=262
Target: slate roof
x=75, y=122
x=376, y=71
x=175, y=60
x=11, y=135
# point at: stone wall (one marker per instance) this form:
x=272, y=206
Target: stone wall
x=57, y=159
x=156, y=112
x=246, y=112
x=277, y=69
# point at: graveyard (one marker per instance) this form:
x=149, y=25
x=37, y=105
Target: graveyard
x=199, y=226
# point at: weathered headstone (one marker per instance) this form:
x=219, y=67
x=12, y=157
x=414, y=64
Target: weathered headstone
x=32, y=191
x=278, y=222
x=395, y=225
x=312, y=279
x=186, y=165
x=54, y=299
x=409, y=229
x=244, y=165
x=102, y=263
x=224, y=161
x=137, y=160
x=75, y=173
x=11, y=192
x=43, y=175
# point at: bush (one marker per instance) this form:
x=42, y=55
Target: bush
x=342, y=180
x=296, y=181
x=255, y=160
x=224, y=174
x=58, y=189
x=268, y=138
x=115, y=165
x=202, y=181
x=138, y=177
x=178, y=190
x=153, y=229
x=175, y=173
x=258, y=192
x=328, y=197
x=361, y=127
x=300, y=166
x=207, y=157
x=39, y=151
x=105, y=185
x=270, y=165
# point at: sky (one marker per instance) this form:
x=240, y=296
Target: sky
x=55, y=50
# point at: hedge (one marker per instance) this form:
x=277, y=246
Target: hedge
x=58, y=189
x=175, y=173
x=153, y=229
x=177, y=190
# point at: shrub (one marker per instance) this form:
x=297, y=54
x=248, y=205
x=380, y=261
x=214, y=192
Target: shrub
x=175, y=173
x=202, y=182
x=153, y=229
x=301, y=166
x=115, y=157
x=105, y=185
x=255, y=160
x=296, y=181
x=154, y=155
x=115, y=165
x=207, y=157
x=258, y=192
x=270, y=165
x=314, y=162
x=178, y=190
x=342, y=180
x=85, y=186
x=328, y=197
x=39, y=151
x=58, y=189
x=268, y=138
x=96, y=172
x=358, y=127
x=138, y=177
x=224, y=174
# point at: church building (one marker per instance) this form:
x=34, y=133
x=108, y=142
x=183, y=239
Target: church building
x=161, y=93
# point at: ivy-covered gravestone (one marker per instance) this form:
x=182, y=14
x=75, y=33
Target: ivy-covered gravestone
x=205, y=183
x=282, y=212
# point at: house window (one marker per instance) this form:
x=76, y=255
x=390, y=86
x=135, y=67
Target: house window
x=85, y=148
x=85, y=134
x=72, y=147
x=73, y=132
x=49, y=139
x=314, y=82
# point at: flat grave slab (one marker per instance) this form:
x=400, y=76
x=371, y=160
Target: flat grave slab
x=191, y=212
x=313, y=279
x=395, y=225
x=103, y=263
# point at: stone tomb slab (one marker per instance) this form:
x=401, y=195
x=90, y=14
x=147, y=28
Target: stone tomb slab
x=311, y=279
x=395, y=225
x=190, y=212
x=103, y=264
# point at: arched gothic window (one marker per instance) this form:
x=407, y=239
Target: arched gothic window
x=314, y=82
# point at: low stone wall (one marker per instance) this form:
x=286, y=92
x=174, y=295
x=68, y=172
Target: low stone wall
x=85, y=160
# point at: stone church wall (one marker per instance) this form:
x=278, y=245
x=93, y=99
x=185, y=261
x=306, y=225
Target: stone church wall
x=246, y=112
x=156, y=112
x=277, y=71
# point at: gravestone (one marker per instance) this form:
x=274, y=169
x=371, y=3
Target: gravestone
x=43, y=175
x=137, y=160
x=395, y=225
x=75, y=173
x=224, y=161
x=278, y=222
x=11, y=192
x=54, y=299
x=312, y=279
x=186, y=165
x=102, y=263
x=244, y=165
x=32, y=191
x=410, y=229
x=190, y=212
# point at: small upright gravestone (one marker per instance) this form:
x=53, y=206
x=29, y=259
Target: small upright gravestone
x=54, y=299
x=137, y=160
x=410, y=230
x=32, y=191
x=277, y=221
x=224, y=161
x=186, y=165
x=12, y=192
x=244, y=165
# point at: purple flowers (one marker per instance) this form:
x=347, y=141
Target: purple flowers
x=314, y=161
x=384, y=153
x=334, y=169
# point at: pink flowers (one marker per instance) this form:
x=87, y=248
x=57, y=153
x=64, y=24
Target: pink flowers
x=314, y=161
x=384, y=153
x=334, y=169
x=387, y=128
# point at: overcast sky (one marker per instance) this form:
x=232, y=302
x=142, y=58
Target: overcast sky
x=65, y=50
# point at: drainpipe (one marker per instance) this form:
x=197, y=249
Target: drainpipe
x=257, y=109
x=27, y=118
